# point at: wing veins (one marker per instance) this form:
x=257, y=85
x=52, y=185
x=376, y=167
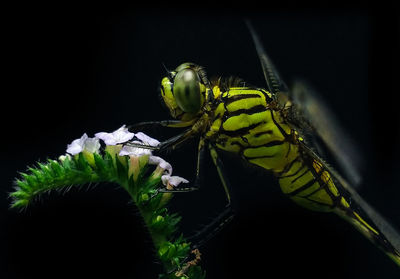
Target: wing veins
x=384, y=226
x=274, y=82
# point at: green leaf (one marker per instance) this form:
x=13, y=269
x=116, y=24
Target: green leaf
x=19, y=204
x=21, y=195
x=56, y=168
x=22, y=184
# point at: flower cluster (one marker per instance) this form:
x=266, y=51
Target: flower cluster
x=119, y=157
x=119, y=141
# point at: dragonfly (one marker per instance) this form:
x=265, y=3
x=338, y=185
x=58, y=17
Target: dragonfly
x=272, y=128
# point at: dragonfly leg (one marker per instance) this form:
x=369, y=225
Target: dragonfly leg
x=210, y=230
x=221, y=172
x=174, y=142
x=219, y=222
x=157, y=124
x=171, y=143
x=199, y=177
x=205, y=234
x=213, y=228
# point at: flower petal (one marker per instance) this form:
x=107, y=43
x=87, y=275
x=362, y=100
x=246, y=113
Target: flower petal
x=77, y=145
x=92, y=145
x=64, y=157
x=134, y=151
x=155, y=160
x=118, y=136
x=104, y=136
x=146, y=139
x=173, y=180
x=122, y=134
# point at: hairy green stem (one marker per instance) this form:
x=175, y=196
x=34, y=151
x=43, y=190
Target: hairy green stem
x=131, y=173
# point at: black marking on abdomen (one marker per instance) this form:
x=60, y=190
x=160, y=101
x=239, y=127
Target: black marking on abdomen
x=324, y=185
x=294, y=180
x=289, y=166
x=307, y=185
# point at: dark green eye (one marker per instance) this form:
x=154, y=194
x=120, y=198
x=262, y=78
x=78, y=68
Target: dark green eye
x=187, y=90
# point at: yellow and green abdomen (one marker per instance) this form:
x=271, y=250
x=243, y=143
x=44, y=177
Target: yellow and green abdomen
x=307, y=183
x=247, y=124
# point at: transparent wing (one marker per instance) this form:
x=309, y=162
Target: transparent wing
x=275, y=84
x=325, y=125
x=386, y=229
x=310, y=116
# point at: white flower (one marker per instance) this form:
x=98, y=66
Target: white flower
x=164, y=169
x=77, y=145
x=146, y=139
x=155, y=160
x=134, y=151
x=91, y=145
x=137, y=151
x=64, y=157
x=173, y=180
x=119, y=136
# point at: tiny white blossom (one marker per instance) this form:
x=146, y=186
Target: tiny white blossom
x=77, y=145
x=137, y=151
x=119, y=136
x=64, y=157
x=146, y=139
x=91, y=145
x=155, y=160
x=134, y=151
x=173, y=180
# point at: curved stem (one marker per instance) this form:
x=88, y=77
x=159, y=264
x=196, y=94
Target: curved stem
x=132, y=174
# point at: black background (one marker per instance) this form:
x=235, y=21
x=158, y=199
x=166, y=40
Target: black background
x=73, y=69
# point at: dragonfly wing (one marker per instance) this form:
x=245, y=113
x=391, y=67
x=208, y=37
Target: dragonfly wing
x=310, y=114
x=386, y=229
x=317, y=114
x=275, y=84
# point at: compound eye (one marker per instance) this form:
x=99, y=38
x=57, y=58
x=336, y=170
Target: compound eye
x=187, y=90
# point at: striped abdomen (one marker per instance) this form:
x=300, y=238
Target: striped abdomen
x=247, y=124
x=308, y=183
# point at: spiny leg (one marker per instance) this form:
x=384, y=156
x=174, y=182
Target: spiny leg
x=199, y=171
x=219, y=222
x=211, y=229
x=171, y=143
x=224, y=217
x=221, y=172
x=162, y=123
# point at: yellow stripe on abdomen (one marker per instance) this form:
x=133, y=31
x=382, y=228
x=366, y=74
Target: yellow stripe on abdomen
x=309, y=185
x=245, y=124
